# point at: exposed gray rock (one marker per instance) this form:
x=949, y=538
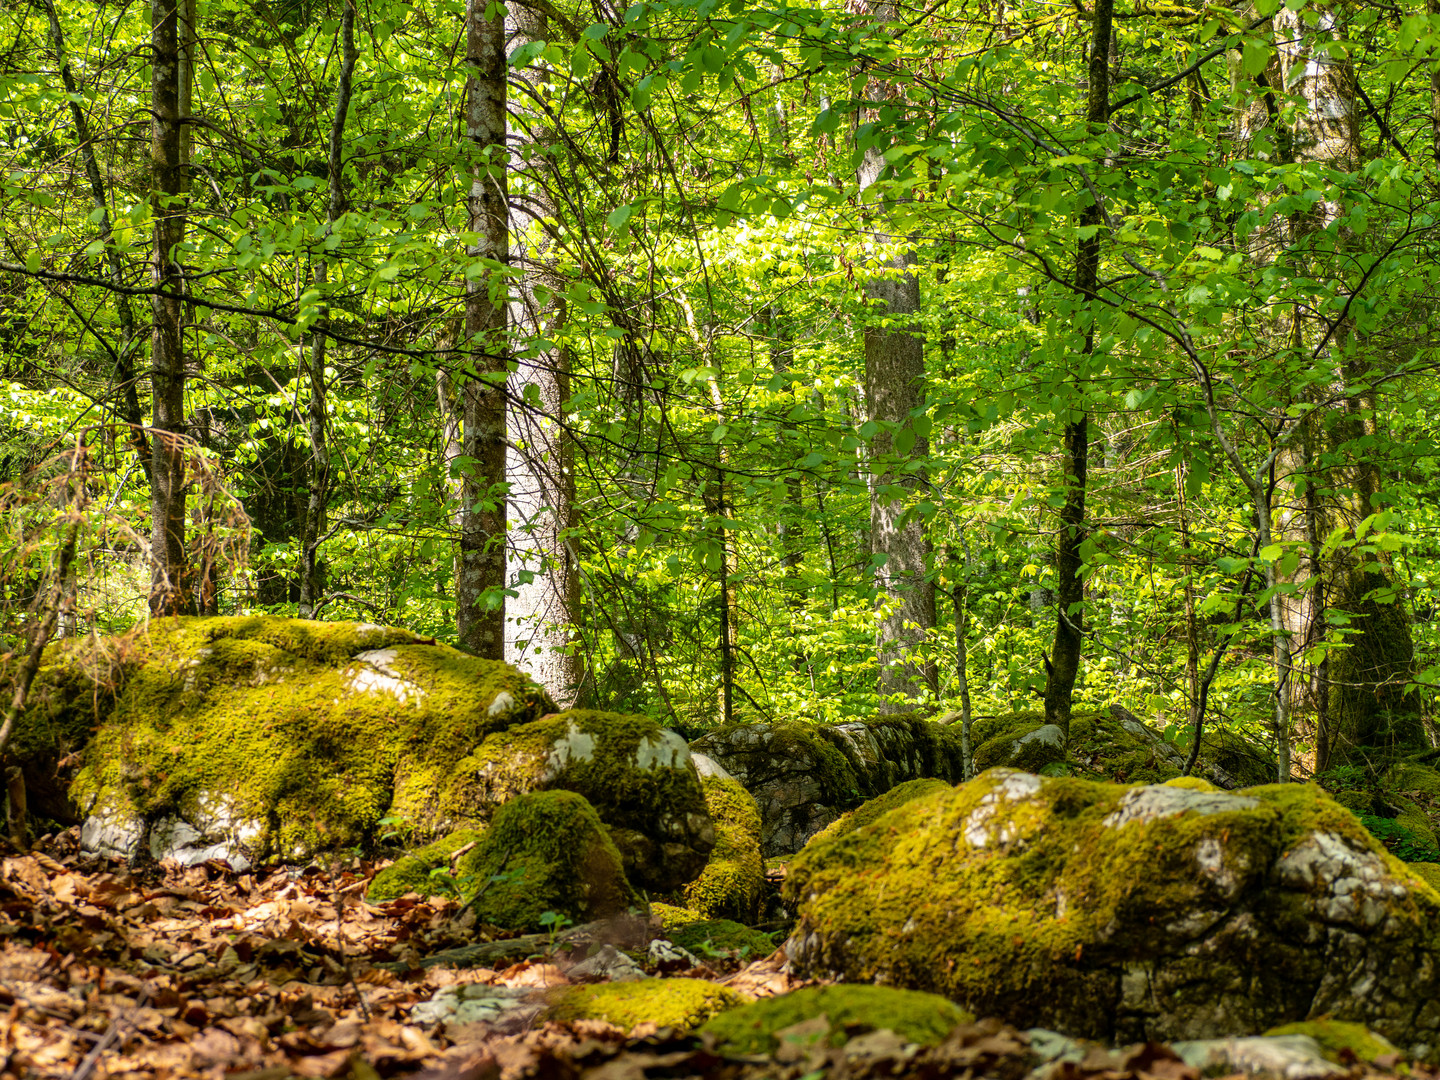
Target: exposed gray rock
x=1294, y=1057
x=608, y=964
x=803, y=776
x=474, y=1003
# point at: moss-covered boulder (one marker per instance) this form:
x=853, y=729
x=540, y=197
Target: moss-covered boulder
x=681, y=1004
x=917, y=1017
x=733, y=881
x=282, y=736
x=1126, y=913
x=804, y=776
x=1337, y=1039
x=636, y=774
x=868, y=811
x=416, y=872
x=545, y=852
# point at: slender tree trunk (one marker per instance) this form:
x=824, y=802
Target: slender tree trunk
x=479, y=599
x=540, y=630
x=312, y=574
x=170, y=585
x=125, y=379
x=1062, y=667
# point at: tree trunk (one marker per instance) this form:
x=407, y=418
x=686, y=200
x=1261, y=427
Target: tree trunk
x=894, y=395
x=312, y=573
x=540, y=630
x=479, y=596
x=1062, y=667
x=170, y=585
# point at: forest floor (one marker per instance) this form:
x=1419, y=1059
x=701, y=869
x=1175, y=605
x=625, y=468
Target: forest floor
x=175, y=972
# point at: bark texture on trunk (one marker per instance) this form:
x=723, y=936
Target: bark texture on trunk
x=540, y=629
x=170, y=585
x=894, y=394
x=479, y=601
x=1062, y=667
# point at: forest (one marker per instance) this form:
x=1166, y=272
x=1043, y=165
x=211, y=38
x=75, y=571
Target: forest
x=733, y=362
x=722, y=538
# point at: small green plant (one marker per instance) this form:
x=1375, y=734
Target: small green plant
x=555, y=923
x=396, y=827
x=1403, y=843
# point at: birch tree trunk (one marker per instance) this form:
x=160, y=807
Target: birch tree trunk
x=540, y=629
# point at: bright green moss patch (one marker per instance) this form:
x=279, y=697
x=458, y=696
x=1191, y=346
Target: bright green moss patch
x=413, y=872
x=709, y=937
x=673, y=917
x=1428, y=872
x=634, y=772
x=546, y=851
x=1335, y=1036
x=731, y=884
x=683, y=1004
x=1191, y=783
x=920, y=1018
x=867, y=812
x=293, y=736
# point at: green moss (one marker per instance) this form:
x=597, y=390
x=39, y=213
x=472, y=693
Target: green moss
x=269, y=724
x=1335, y=1036
x=1191, y=783
x=706, y=937
x=412, y=873
x=917, y=1017
x=733, y=880
x=623, y=764
x=682, y=1004
x=1414, y=820
x=1427, y=872
x=672, y=916
x=1413, y=777
x=991, y=922
x=867, y=812
x=545, y=851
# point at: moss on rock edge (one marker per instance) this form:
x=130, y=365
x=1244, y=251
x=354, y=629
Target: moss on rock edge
x=413, y=872
x=867, y=812
x=733, y=880
x=920, y=1018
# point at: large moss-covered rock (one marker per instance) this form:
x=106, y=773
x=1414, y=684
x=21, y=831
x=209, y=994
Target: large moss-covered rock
x=916, y=1017
x=280, y=735
x=804, y=776
x=732, y=883
x=636, y=774
x=545, y=851
x=1127, y=913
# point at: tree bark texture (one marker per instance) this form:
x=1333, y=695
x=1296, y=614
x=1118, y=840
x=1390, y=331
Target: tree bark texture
x=479, y=600
x=170, y=586
x=894, y=394
x=1063, y=666
x=540, y=627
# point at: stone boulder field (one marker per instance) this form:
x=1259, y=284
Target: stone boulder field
x=265, y=738
x=1126, y=914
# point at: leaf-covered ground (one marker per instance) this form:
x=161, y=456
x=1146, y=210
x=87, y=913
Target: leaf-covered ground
x=173, y=972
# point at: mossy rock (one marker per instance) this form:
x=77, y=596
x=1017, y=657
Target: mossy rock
x=1336, y=1037
x=1027, y=748
x=413, y=873
x=868, y=811
x=917, y=1017
x=681, y=1004
x=636, y=774
x=1413, y=777
x=733, y=881
x=1428, y=872
x=722, y=937
x=1191, y=783
x=284, y=737
x=804, y=776
x=1126, y=913
x=545, y=852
